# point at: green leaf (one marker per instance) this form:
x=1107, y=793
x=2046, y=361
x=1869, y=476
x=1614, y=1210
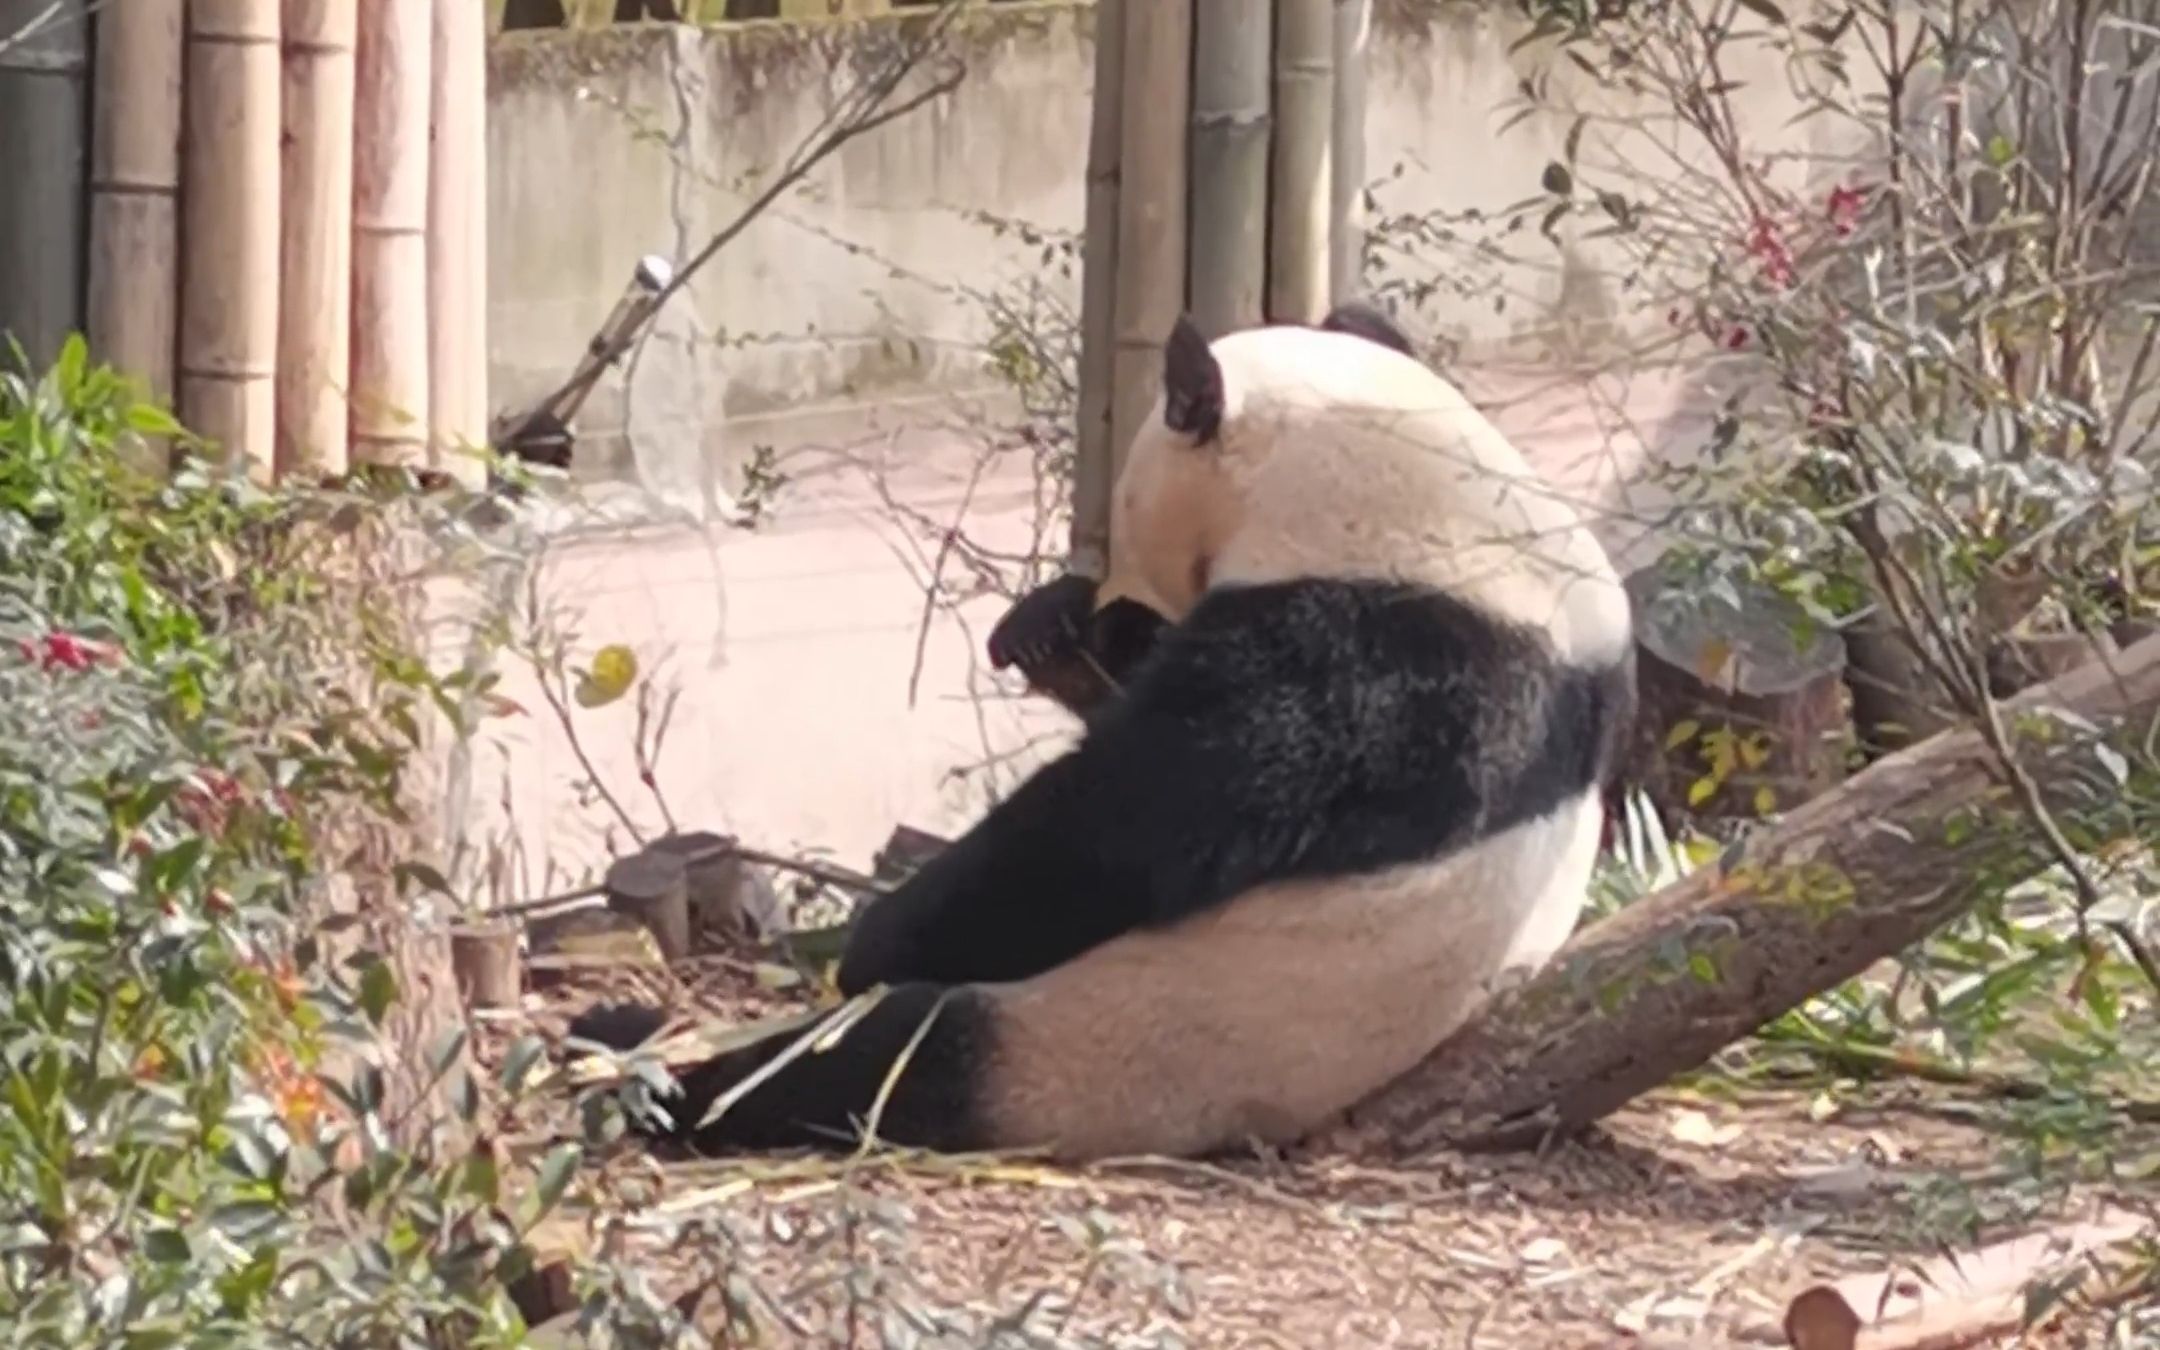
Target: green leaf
x=482, y=1180
x=2000, y=150
x=528, y=1051
x=449, y=1047
x=148, y=419
x=378, y=989
x=1701, y=790
x=1683, y=731
x=554, y=1177
x=421, y=875
x=68, y=369
x=1618, y=207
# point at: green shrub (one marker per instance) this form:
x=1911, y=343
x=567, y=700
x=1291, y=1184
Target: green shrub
x=204, y=699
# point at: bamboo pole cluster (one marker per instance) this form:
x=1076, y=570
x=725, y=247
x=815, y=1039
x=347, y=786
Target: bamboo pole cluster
x=1224, y=175
x=44, y=60
x=287, y=233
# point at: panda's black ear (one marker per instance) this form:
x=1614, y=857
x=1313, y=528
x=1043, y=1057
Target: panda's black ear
x=1192, y=383
x=1359, y=319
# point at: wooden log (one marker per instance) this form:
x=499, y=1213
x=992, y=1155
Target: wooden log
x=485, y=961
x=227, y=366
x=390, y=414
x=1226, y=254
x=1093, y=456
x=1346, y=175
x=457, y=257
x=1811, y=901
x=1151, y=212
x=44, y=100
x=315, y=301
x=1300, y=191
x=133, y=303
x=2023, y=659
x=653, y=887
x=1734, y=701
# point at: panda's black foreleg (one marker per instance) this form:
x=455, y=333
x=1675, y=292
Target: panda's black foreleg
x=1151, y=817
x=1019, y=893
x=1068, y=650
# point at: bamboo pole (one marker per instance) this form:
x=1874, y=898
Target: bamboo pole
x=1227, y=251
x=1299, y=197
x=133, y=304
x=390, y=416
x=229, y=229
x=1150, y=287
x=43, y=118
x=315, y=324
x=1346, y=176
x=1093, y=457
x=457, y=242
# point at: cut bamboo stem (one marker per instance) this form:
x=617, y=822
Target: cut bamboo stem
x=1092, y=455
x=315, y=323
x=457, y=242
x=390, y=415
x=229, y=229
x=1346, y=175
x=133, y=303
x=1150, y=286
x=485, y=962
x=43, y=103
x=1227, y=256
x=1300, y=196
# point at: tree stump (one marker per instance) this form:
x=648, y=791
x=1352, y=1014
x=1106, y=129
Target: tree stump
x=484, y=961
x=726, y=897
x=906, y=849
x=1737, y=715
x=653, y=887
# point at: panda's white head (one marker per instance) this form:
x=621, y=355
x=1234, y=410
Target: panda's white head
x=1290, y=452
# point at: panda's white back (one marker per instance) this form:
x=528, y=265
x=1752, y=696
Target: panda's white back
x=1338, y=457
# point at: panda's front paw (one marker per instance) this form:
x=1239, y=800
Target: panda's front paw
x=1045, y=627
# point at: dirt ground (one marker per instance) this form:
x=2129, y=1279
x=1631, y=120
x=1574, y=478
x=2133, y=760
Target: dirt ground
x=1684, y=1222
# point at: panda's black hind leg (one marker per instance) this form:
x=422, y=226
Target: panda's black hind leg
x=618, y=1026
x=821, y=1097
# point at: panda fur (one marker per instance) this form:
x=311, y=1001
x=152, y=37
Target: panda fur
x=1354, y=778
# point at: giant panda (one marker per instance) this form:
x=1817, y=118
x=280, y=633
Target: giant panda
x=1353, y=777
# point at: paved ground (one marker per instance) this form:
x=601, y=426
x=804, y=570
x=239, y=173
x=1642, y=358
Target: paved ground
x=795, y=645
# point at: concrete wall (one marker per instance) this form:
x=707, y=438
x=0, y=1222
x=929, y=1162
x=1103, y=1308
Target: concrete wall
x=849, y=291
x=865, y=286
